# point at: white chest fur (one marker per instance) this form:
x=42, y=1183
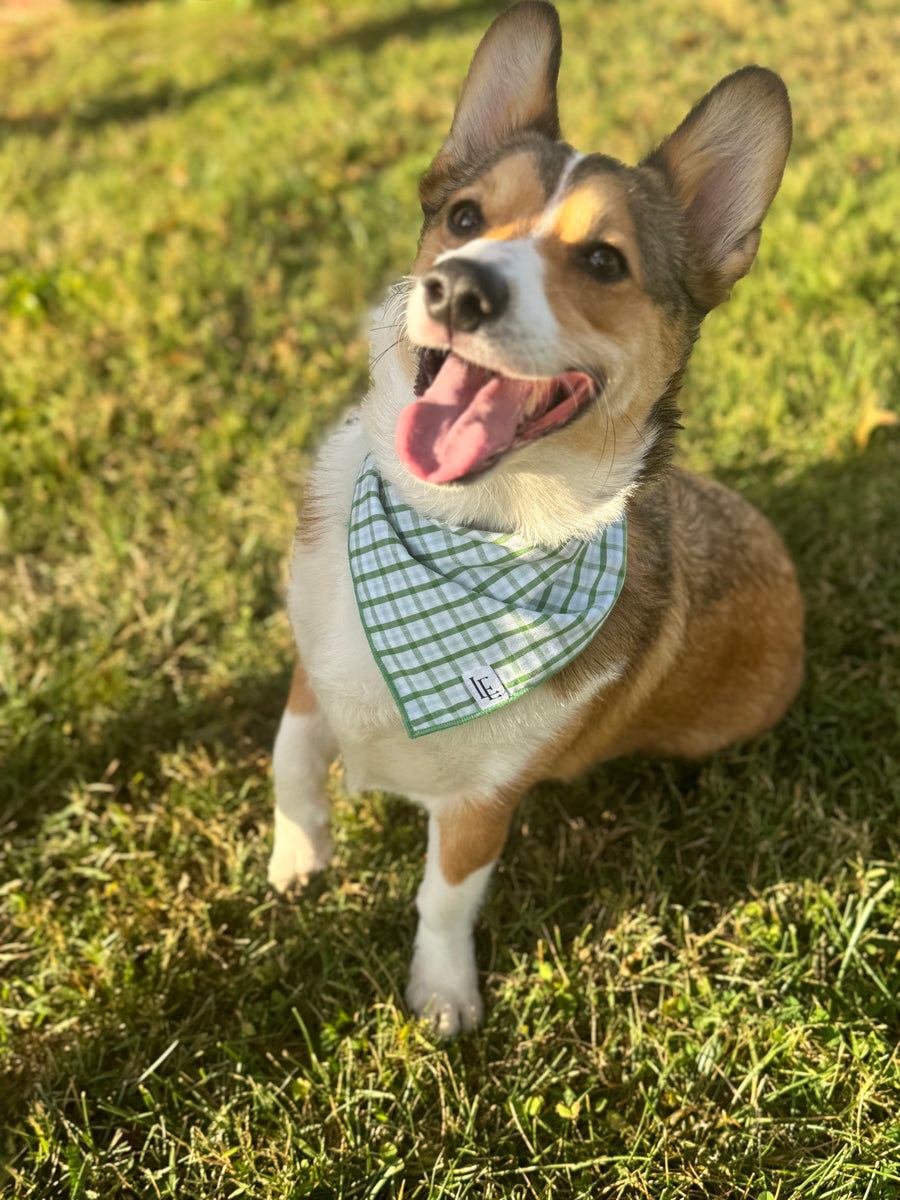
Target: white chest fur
x=467, y=762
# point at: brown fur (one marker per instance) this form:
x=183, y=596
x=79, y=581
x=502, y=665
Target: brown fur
x=709, y=651
x=691, y=155
x=726, y=657
x=624, y=313
x=311, y=518
x=512, y=196
x=301, y=700
x=472, y=837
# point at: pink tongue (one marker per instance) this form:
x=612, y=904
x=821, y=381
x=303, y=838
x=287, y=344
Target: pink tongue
x=467, y=415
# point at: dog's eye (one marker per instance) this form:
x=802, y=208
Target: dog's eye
x=605, y=262
x=465, y=218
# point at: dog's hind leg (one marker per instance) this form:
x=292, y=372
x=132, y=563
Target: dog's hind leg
x=463, y=847
x=304, y=750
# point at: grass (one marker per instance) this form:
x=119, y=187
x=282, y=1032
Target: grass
x=691, y=971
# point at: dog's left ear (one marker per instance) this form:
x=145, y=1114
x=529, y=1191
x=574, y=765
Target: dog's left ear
x=510, y=89
x=725, y=162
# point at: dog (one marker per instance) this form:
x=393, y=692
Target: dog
x=497, y=577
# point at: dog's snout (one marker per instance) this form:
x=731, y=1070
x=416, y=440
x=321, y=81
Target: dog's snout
x=462, y=294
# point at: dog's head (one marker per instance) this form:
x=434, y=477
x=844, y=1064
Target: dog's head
x=556, y=296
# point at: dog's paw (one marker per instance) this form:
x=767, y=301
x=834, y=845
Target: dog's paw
x=297, y=854
x=449, y=999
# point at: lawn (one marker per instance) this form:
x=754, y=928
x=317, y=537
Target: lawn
x=691, y=971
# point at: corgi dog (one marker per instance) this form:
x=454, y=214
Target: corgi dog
x=497, y=577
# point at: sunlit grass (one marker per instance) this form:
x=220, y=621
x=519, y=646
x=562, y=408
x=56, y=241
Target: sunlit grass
x=691, y=971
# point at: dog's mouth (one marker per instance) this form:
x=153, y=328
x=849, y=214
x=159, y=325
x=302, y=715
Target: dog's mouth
x=466, y=417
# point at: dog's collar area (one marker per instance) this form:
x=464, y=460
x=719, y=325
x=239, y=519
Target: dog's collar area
x=466, y=417
x=461, y=621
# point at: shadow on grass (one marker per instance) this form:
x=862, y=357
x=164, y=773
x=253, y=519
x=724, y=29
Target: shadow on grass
x=38, y=778
x=119, y=109
x=280, y=1015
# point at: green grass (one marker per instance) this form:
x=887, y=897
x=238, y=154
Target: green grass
x=691, y=972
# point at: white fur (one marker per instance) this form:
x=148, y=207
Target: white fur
x=443, y=978
x=303, y=753
x=546, y=223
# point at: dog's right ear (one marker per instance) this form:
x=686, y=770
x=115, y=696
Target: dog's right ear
x=510, y=89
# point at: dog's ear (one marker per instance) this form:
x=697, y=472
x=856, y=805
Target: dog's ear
x=510, y=88
x=725, y=162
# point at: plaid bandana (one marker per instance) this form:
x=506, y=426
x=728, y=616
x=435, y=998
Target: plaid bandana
x=461, y=621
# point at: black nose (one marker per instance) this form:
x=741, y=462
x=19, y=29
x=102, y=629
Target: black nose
x=463, y=294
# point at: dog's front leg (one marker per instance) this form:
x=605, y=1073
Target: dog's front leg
x=304, y=750
x=463, y=846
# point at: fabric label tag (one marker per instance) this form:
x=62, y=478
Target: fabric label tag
x=485, y=686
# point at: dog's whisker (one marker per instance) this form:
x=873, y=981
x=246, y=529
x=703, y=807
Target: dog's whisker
x=387, y=350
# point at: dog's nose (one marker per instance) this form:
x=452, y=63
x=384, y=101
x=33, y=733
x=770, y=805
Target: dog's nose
x=463, y=294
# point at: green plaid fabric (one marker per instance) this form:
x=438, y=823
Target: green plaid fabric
x=461, y=621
